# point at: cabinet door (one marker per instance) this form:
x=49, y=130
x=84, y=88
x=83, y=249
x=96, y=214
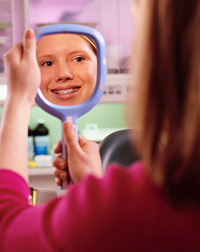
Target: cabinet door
x=6, y=37
x=44, y=12
x=6, y=41
x=111, y=17
x=12, y=26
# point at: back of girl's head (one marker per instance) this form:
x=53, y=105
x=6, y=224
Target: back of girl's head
x=166, y=68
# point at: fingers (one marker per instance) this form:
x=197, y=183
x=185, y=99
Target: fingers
x=59, y=163
x=60, y=175
x=82, y=141
x=26, y=48
x=29, y=43
x=60, y=172
x=70, y=137
x=13, y=56
x=58, y=147
x=87, y=145
x=58, y=182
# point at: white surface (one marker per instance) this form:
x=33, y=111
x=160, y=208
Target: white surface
x=40, y=171
x=3, y=40
x=116, y=89
x=3, y=80
x=43, y=160
x=43, y=178
x=97, y=135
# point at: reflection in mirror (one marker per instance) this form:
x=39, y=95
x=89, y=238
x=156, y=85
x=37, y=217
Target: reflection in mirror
x=68, y=65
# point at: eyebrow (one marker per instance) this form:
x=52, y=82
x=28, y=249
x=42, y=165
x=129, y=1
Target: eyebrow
x=45, y=55
x=70, y=53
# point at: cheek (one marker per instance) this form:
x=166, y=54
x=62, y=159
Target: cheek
x=92, y=73
x=92, y=76
x=88, y=75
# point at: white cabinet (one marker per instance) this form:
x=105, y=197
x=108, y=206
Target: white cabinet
x=43, y=178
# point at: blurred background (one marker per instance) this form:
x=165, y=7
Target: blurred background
x=112, y=18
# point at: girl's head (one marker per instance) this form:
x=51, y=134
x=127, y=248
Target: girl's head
x=68, y=66
x=166, y=69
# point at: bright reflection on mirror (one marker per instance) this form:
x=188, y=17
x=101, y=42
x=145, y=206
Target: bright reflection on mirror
x=68, y=65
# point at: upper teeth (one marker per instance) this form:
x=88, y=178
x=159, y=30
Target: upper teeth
x=67, y=91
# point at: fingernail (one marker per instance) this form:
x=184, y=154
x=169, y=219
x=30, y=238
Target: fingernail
x=29, y=33
x=68, y=126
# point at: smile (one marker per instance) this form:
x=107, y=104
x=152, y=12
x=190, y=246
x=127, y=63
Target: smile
x=66, y=91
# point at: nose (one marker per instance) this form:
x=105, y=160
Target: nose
x=63, y=73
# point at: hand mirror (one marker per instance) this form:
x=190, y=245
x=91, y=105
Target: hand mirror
x=72, y=61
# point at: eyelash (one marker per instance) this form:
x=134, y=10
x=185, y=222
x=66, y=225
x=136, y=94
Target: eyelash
x=45, y=62
x=79, y=57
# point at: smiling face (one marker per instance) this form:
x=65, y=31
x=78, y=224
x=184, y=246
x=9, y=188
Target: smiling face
x=68, y=65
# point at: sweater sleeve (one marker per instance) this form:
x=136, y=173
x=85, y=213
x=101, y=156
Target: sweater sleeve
x=20, y=222
x=73, y=222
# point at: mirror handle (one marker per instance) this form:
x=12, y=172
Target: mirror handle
x=65, y=183
x=64, y=155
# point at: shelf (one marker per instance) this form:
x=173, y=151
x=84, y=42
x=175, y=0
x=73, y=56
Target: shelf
x=2, y=79
x=40, y=171
x=93, y=25
x=3, y=40
x=4, y=25
x=117, y=88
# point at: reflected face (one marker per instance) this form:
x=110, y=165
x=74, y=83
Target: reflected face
x=68, y=66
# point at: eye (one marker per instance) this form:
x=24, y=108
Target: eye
x=78, y=59
x=47, y=63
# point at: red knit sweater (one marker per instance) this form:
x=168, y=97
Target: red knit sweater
x=121, y=212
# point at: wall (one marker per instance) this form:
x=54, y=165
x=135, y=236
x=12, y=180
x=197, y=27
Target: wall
x=104, y=115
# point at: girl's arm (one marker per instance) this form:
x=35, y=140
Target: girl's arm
x=23, y=80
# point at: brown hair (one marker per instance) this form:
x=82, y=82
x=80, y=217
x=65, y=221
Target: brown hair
x=91, y=42
x=167, y=70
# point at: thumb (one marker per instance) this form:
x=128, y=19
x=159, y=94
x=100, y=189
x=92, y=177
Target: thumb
x=70, y=137
x=29, y=43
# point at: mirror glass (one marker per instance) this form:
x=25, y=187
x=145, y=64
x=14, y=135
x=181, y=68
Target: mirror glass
x=68, y=65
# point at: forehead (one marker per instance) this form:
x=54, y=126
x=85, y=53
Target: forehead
x=62, y=41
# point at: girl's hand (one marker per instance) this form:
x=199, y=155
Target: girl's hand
x=83, y=157
x=22, y=71
x=60, y=165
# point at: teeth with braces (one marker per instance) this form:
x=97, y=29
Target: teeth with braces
x=68, y=91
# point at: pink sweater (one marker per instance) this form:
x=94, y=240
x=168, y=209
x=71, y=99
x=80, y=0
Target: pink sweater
x=121, y=212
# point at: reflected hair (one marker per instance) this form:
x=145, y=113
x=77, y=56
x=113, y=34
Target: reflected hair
x=91, y=42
